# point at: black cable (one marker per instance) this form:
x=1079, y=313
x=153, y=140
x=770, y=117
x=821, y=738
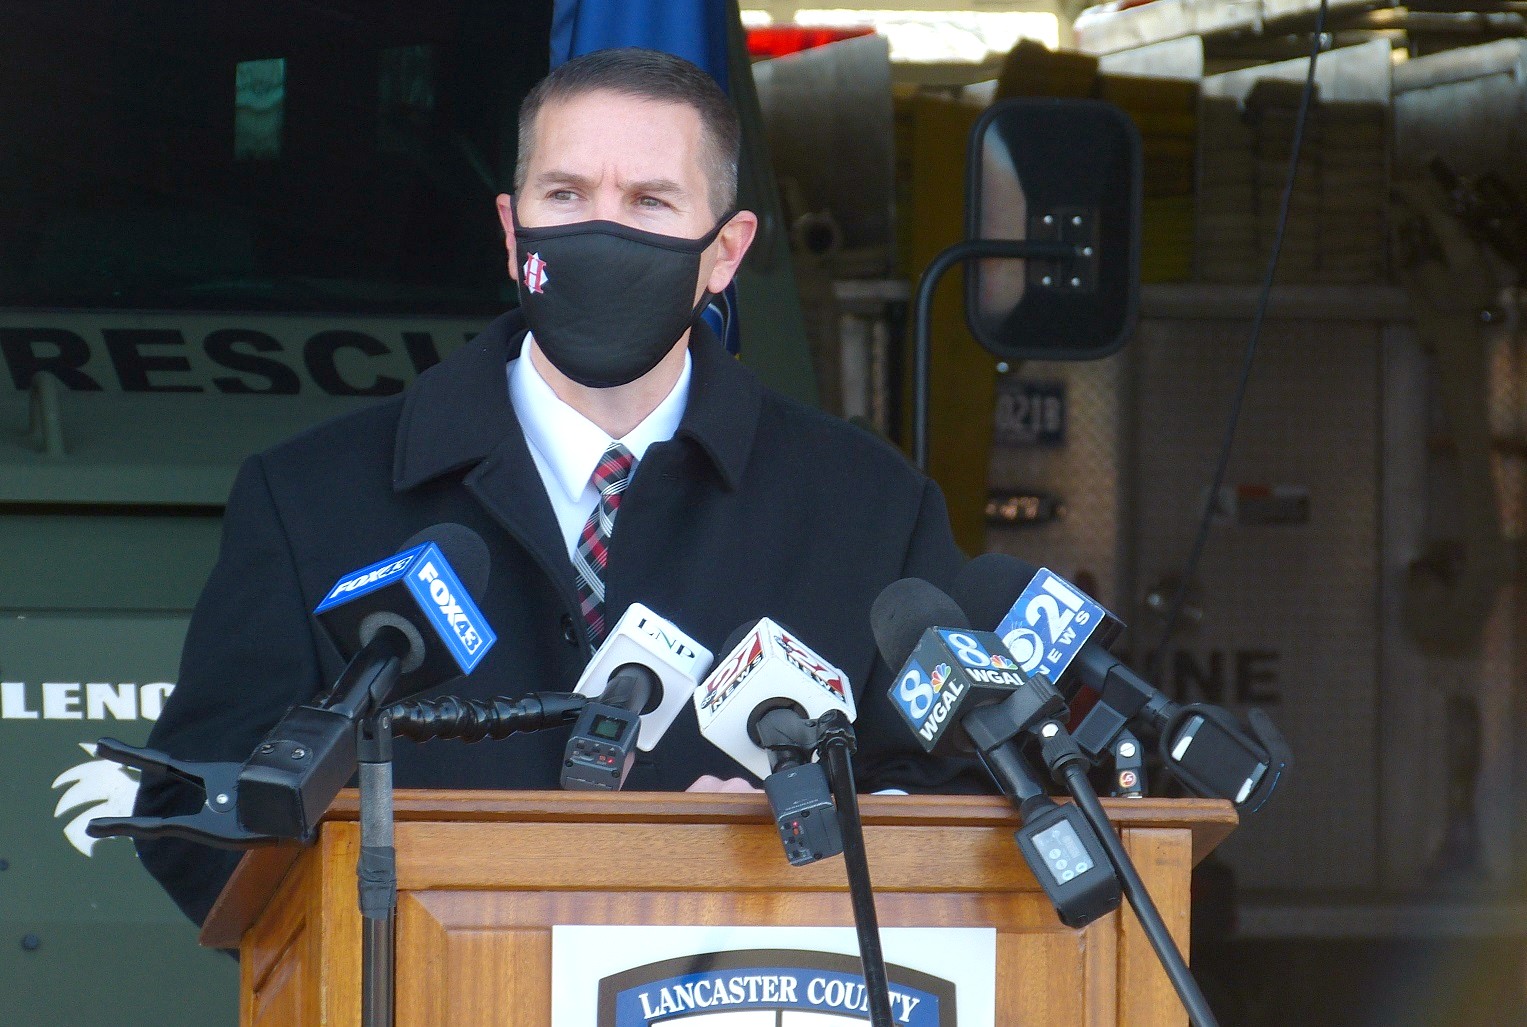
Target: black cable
x=1174, y=612
x=840, y=773
x=1139, y=899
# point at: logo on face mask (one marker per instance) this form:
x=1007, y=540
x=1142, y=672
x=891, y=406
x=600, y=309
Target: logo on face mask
x=535, y=273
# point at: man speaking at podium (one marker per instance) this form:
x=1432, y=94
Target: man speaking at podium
x=602, y=416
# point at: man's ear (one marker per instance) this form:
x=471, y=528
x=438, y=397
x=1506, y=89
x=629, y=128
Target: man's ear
x=731, y=246
x=505, y=204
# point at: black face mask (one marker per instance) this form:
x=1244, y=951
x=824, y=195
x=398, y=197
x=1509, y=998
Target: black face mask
x=605, y=302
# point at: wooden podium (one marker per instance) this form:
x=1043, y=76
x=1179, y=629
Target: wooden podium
x=483, y=877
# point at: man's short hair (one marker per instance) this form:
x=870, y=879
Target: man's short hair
x=647, y=75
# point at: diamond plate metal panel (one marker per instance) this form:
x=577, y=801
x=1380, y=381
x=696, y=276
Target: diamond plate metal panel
x=1085, y=544
x=1428, y=841
x=1307, y=614
x=1290, y=610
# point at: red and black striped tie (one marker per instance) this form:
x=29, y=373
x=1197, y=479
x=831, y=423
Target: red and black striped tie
x=610, y=479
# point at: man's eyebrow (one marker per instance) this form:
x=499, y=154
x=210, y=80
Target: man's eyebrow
x=555, y=177
x=656, y=185
x=665, y=186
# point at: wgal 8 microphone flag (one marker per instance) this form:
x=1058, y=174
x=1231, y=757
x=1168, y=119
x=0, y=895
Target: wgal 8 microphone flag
x=945, y=672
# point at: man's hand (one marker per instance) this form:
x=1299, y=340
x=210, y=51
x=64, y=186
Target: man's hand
x=710, y=783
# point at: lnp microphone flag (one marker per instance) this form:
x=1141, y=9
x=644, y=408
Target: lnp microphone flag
x=695, y=30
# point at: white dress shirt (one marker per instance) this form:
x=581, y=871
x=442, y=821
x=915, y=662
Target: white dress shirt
x=567, y=446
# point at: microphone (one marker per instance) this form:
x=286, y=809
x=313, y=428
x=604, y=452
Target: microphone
x=643, y=637
x=406, y=624
x=767, y=669
x=948, y=669
x=1052, y=628
x=602, y=746
x=426, y=597
x=960, y=690
x=769, y=703
x=1055, y=629
x=635, y=685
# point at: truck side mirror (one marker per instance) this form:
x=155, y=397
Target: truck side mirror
x=1052, y=219
x=1054, y=171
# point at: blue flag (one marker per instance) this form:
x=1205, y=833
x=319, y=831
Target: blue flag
x=695, y=30
x=692, y=29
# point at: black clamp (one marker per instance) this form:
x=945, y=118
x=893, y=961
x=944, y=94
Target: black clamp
x=215, y=824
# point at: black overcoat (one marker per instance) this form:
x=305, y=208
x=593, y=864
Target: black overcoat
x=759, y=506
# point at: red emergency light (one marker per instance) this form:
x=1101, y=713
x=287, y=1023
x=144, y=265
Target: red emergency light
x=779, y=40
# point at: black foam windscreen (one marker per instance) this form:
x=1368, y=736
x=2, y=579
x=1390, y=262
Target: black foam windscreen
x=464, y=550
x=988, y=585
x=905, y=609
x=737, y=635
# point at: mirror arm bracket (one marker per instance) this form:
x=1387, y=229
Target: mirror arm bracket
x=969, y=249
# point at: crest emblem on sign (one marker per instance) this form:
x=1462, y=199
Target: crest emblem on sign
x=95, y=788
x=535, y=273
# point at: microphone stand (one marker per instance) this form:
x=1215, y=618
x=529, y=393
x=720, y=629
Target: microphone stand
x=377, y=870
x=837, y=747
x=216, y=822
x=1068, y=765
x=791, y=739
x=1035, y=712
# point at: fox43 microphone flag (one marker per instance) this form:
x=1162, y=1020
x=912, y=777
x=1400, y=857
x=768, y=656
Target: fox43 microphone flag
x=695, y=30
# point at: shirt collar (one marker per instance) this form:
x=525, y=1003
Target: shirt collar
x=571, y=444
x=459, y=412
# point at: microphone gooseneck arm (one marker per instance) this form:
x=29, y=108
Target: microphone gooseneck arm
x=472, y=720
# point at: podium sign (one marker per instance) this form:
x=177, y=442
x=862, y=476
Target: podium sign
x=607, y=976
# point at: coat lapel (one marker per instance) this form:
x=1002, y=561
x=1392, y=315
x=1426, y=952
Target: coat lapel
x=508, y=485
x=457, y=417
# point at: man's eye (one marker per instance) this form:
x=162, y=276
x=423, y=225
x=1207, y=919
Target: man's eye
x=651, y=203
x=563, y=194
